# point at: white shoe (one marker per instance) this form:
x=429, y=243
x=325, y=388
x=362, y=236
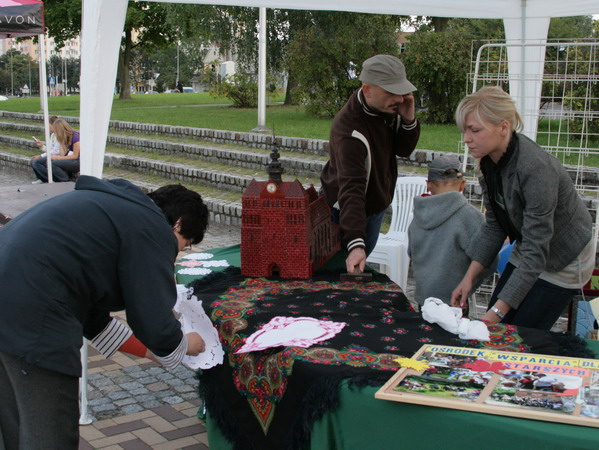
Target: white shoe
x=37, y=182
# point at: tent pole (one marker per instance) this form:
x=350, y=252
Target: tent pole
x=262, y=128
x=522, y=91
x=44, y=102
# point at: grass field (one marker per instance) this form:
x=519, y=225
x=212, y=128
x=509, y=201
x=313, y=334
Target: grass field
x=203, y=111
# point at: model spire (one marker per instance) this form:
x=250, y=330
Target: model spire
x=274, y=168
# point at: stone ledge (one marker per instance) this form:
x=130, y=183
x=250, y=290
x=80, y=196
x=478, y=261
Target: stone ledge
x=221, y=211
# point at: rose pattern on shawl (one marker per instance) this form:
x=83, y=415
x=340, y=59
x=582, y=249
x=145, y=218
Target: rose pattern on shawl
x=262, y=377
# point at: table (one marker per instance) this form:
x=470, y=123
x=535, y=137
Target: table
x=322, y=397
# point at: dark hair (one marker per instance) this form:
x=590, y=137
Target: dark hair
x=178, y=202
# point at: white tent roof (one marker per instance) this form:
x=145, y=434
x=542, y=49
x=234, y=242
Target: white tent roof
x=103, y=20
x=481, y=9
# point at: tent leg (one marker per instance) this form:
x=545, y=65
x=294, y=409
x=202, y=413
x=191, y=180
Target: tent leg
x=84, y=418
x=44, y=102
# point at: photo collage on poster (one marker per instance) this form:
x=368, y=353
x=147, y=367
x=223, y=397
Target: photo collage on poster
x=500, y=383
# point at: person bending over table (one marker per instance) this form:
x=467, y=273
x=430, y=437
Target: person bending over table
x=66, y=162
x=530, y=198
x=65, y=264
x=377, y=124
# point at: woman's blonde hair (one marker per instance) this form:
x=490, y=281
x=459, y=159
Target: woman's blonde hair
x=64, y=134
x=489, y=104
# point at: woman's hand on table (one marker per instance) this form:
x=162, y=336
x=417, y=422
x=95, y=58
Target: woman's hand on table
x=492, y=316
x=195, y=344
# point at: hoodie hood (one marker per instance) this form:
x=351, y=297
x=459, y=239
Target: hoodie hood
x=434, y=210
x=119, y=188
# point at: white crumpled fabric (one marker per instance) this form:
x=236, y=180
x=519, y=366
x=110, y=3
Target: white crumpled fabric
x=450, y=319
x=191, y=314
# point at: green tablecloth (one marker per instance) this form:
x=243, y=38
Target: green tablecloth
x=363, y=422
x=230, y=255
x=204, y=259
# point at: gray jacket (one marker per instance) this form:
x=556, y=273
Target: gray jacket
x=543, y=205
x=439, y=234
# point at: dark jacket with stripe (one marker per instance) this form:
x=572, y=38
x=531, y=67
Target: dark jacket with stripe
x=359, y=179
x=66, y=263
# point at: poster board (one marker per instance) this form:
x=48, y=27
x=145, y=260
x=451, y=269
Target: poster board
x=527, y=385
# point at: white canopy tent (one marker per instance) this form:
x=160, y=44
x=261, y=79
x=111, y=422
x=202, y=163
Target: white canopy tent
x=525, y=21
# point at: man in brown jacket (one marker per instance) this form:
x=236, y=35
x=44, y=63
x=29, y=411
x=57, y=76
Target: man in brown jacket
x=377, y=124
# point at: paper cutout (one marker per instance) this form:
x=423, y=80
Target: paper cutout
x=191, y=263
x=194, y=271
x=196, y=264
x=192, y=316
x=217, y=263
x=291, y=332
x=198, y=256
x=410, y=363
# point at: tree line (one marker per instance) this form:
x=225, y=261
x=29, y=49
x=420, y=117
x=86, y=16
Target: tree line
x=319, y=53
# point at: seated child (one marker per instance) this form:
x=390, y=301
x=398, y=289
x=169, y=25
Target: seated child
x=441, y=230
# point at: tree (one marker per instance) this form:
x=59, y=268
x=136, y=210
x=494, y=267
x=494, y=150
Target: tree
x=145, y=19
x=438, y=64
x=327, y=55
x=56, y=67
x=235, y=31
x=571, y=27
x=16, y=71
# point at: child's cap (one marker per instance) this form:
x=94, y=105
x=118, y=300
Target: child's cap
x=444, y=167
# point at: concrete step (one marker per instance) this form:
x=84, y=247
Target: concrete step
x=221, y=211
x=252, y=158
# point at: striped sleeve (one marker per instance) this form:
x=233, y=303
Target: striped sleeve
x=409, y=126
x=111, y=337
x=174, y=359
x=356, y=243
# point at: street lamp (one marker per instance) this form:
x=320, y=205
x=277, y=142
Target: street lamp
x=177, y=73
x=64, y=78
x=12, y=90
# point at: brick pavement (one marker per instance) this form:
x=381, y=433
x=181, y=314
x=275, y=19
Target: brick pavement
x=138, y=404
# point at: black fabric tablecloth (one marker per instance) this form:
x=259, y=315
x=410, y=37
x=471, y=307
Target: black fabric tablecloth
x=270, y=398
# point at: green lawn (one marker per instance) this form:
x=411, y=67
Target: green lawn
x=203, y=111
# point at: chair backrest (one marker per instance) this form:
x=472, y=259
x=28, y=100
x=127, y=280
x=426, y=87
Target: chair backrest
x=406, y=188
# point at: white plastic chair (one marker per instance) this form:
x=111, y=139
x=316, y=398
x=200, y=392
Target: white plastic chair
x=391, y=250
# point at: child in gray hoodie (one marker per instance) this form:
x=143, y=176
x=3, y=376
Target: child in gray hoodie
x=441, y=230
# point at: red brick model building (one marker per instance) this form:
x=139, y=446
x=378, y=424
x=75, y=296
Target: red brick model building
x=285, y=228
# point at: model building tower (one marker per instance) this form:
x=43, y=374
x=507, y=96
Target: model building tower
x=286, y=230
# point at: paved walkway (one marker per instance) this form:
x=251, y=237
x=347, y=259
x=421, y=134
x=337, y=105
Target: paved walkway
x=136, y=403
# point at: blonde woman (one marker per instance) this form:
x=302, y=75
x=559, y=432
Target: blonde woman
x=530, y=198
x=66, y=162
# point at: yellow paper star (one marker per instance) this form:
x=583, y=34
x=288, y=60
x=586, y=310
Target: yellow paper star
x=410, y=363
